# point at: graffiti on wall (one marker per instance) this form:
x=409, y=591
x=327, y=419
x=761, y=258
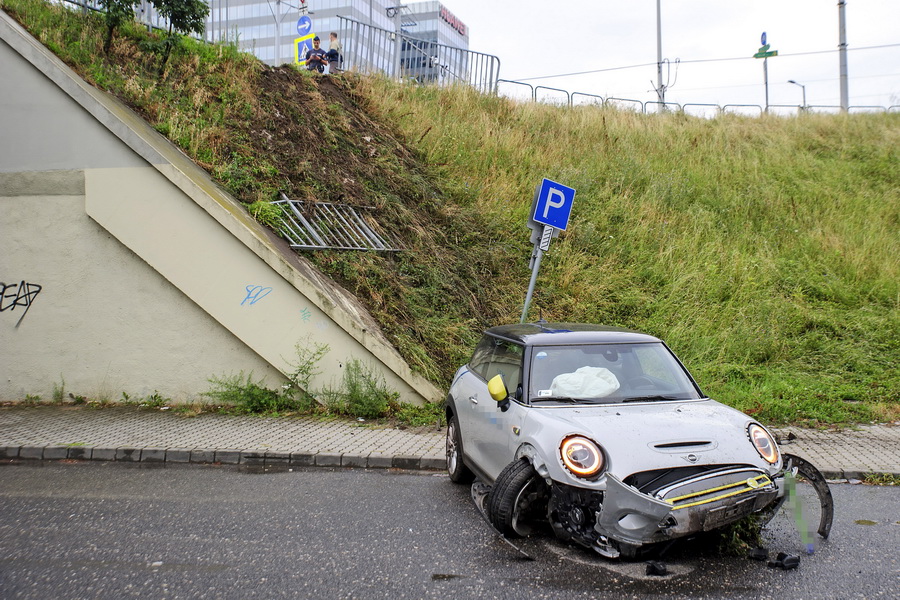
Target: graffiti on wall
x=18, y=295
x=255, y=293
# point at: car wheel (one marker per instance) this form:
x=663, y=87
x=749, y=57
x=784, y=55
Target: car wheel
x=459, y=472
x=518, y=497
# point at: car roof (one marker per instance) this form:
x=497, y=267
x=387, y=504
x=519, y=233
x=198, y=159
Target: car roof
x=543, y=333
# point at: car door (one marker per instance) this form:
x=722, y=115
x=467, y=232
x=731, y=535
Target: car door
x=469, y=393
x=493, y=430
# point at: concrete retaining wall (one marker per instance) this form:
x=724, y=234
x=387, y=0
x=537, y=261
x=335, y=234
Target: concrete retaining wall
x=127, y=269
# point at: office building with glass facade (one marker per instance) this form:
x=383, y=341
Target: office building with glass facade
x=252, y=24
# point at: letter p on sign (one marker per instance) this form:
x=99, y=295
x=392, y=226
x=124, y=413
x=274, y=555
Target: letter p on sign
x=554, y=204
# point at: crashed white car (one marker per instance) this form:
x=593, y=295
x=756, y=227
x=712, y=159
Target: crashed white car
x=603, y=433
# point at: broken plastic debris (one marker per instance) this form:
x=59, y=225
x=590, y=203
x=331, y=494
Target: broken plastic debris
x=785, y=561
x=759, y=554
x=658, y=568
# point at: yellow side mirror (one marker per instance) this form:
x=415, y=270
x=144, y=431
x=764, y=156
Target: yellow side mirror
x=497, y=389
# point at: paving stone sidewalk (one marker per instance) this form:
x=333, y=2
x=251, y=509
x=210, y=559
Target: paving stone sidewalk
x=131, y=434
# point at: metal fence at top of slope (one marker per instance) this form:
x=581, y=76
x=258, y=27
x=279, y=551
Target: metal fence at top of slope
x=369, y=49
x=520, y=90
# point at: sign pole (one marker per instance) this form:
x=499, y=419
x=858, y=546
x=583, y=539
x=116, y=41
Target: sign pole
x=764, y=53
x=550, y=211
x=538, y=253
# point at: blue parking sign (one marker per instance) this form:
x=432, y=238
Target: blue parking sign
x=554, y=204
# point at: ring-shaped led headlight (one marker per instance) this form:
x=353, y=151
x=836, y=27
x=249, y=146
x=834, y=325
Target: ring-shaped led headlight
x=763, y=443
x=581, y=456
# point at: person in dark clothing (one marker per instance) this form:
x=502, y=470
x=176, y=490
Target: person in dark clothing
x=316, y=59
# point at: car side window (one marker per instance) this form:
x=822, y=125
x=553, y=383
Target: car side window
x=507, y=361
x=481, y=358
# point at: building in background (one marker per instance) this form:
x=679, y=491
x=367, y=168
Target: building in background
x=427, y=26
x=258, y=26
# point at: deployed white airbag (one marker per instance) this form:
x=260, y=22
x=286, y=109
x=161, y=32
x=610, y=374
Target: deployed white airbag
x=586, y=382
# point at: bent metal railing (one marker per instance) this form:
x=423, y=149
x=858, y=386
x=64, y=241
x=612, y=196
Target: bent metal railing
x=330, y=226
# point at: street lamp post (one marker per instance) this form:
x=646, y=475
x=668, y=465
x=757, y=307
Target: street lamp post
x=803, y=87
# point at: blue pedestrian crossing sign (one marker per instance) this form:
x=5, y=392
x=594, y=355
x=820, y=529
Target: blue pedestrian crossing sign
x=302, y=45
x=553, y=204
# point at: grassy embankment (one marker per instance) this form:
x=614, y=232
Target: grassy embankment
x=764, y=250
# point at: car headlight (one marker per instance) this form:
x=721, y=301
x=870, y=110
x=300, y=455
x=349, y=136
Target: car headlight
x=763, y=443
x=581, y=456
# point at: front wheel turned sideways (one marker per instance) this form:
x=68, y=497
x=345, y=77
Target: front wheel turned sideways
x=458, y=472
x=517, y=499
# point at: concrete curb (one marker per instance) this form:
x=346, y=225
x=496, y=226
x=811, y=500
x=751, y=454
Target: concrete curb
x=224, y=456
x=231, y=456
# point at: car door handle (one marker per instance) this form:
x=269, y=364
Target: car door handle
x=473, y=399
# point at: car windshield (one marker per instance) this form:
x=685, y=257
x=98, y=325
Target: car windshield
x=607, y=374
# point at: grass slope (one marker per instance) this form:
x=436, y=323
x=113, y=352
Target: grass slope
x=764, y=250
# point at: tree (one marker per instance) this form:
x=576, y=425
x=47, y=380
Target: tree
x=185, y=17
x=117, y=12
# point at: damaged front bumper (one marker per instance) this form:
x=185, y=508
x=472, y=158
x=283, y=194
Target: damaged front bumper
x=700, y=504
x=628, y=517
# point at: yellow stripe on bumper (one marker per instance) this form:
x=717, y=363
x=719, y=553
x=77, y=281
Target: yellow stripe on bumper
x=758, y=482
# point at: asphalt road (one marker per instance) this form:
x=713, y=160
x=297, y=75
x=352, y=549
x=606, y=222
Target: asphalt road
x=105, y=530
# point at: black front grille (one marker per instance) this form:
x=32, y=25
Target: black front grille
x=650, y=481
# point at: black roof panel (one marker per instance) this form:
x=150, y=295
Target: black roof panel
x=562, y=334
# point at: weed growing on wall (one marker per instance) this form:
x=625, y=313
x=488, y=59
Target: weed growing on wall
x=303, y=369
x=59, y=390
x=362, y=393
x=244, y=395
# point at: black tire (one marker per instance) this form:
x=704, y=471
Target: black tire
x=459, y=472
x=517, y=497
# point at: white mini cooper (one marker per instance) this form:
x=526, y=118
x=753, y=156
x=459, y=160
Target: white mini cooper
x=603, y=433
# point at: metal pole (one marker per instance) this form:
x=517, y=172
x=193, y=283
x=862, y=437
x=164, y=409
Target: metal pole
x=803, y=87
x=660, y=90
x=538, y=253
x=842, y=51
x=277, y=32
x=397, y=25
x=766, y=79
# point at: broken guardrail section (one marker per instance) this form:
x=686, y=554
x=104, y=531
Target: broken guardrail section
x=332, y=226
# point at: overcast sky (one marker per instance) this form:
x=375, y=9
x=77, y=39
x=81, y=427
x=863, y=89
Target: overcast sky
x=539, y=38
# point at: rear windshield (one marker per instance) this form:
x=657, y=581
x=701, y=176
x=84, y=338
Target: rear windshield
x=608, y=373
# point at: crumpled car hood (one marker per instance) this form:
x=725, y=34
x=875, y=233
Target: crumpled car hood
x=645, y=436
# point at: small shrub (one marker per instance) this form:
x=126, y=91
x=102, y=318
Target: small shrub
x=59, y=391
x=364, y=393
x=266, y=213
x=246, y=395
x=430, y=413
x=302, y=371
x=740, y=537
x=154, y=400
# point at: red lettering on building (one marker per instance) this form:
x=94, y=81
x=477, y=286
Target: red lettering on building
x=454, y=22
